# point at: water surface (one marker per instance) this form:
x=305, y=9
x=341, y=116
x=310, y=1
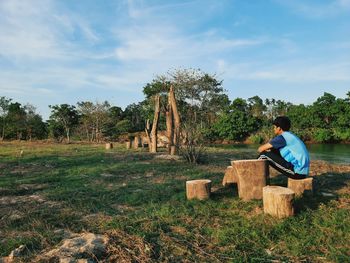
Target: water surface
x=334, y=153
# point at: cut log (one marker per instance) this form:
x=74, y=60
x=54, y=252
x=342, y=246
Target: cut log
x=128, y=145
x=252, y=176
x=300, y=186
x=137, y=142
x=230, y=176
x=278, y=201
x=198, y=189
x=109, y=146
x=172, y=150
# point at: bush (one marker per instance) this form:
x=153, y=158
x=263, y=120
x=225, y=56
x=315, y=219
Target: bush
x=256, y=139
x=323, y=135
x=341, y=135
x=123, y=126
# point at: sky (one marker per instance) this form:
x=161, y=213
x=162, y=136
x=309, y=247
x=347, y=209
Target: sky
x=63, y=51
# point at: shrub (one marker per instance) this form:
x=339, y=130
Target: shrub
x=341, y=135
x=323, y=135
x=256, y=138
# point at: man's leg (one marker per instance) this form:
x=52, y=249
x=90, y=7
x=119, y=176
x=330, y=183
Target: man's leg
x=276, y=161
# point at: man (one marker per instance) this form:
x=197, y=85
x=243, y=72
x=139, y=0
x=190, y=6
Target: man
x=286, y=152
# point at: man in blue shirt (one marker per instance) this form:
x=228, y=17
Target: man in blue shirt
x=286, y=152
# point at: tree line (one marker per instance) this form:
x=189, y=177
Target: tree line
x=202, y=106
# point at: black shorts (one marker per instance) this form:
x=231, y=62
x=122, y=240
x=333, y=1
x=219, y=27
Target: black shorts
x=276, y=161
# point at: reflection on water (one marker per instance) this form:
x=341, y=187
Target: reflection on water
x=334, y=153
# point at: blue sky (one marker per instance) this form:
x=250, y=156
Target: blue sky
x=63, y=51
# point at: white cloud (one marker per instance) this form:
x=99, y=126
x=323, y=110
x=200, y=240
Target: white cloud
x=318, y=9
x=290, y=71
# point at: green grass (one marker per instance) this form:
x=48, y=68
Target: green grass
x=81, y=187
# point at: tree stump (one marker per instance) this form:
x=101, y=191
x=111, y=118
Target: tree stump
x=137, y=142
x=300, y=186
x=172, y=150
x=278, y=201
x=230, y=176
x=252, y=176
x=128, y=145
x=198, y=189
x=109, y=146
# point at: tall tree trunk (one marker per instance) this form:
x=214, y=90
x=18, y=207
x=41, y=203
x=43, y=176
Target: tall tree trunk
x=176, y=115
x=153, y=148
x=169, y=125
x=68, y=136
x=3, y=132
x=147, y=130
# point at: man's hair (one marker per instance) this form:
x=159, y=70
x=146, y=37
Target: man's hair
x=283, y=122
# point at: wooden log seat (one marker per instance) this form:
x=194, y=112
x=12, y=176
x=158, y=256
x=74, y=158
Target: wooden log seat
x=137, y=142
x=301, y=186
x=230, y=176
x=278, y=201
x=109, y=146
x=198, y=189
x=252, y=176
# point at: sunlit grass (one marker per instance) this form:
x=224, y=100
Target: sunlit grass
x=81, y=187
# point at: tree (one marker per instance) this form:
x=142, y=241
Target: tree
x=323, y=111
x=237, y=123
x=4, y=108
x=152, y=134
x=195, y=99
x=64, y=115
x=35, y=127
x=256, y=107
x=16, y=121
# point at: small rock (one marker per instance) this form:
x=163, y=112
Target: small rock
x=18, y=252
x=328, y=194
x=84, y=246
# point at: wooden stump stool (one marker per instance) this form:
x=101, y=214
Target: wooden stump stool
x=300, y=186
x=252, y=176
x=278, y=201
x=128, y=145
x=109, y=146
x=230, y=176
x=137, y=142
x=172, y=150
x=198, y=189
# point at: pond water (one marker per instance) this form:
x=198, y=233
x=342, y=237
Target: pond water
x=334, y=153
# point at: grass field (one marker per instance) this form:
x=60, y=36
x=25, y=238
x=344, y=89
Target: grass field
x=85, y=188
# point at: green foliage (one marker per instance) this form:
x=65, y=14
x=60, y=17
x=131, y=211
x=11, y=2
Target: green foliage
x=123, y=126
x=237, y=123
x=323, y=135
x=63, y=116
x=341, y=134
x=256, y=139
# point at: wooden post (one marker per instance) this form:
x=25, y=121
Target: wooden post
x=128, y=144
x=300, y=186
x=252, y=176
x=230, y=176
x=137, y=142
x=172, y=150
x=198, y=189
x=176, y=115
x=278, y=201
x=109, y=146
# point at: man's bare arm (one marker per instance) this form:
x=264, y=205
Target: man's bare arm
x=265, y=147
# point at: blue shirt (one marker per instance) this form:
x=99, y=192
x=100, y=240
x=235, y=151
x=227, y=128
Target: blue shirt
x=278, y=142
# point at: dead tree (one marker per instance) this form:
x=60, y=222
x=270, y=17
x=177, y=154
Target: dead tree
x=152, y=135
x=169, y=125
x=177, y=122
